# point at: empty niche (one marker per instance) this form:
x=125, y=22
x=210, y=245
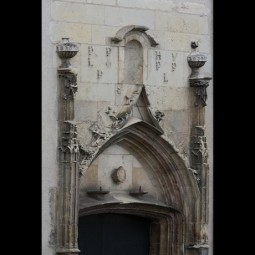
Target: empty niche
x=133, y=67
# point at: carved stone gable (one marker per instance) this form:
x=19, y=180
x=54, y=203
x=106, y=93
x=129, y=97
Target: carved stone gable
x=134, y=108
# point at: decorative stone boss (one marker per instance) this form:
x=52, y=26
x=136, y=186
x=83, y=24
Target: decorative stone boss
x=119, y=175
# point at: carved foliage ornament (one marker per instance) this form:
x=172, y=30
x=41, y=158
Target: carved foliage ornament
x=69, y=138
x=118, y=117
x=70, y=84
x=195, y=174
x=200, y=145
x=159, y=115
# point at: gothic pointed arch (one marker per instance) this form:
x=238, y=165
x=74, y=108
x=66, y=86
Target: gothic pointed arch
x=180, y=191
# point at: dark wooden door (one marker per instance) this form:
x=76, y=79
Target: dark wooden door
x=114, y=234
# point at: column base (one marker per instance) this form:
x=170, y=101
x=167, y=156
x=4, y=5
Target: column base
x=68, y=251
x=198, y=249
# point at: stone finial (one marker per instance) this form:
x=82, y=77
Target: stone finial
x=195, y=60
x=200, y=83
x=66, y=50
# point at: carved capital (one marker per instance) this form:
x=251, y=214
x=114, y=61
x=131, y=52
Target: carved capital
x=199, y=82
x=200, y=85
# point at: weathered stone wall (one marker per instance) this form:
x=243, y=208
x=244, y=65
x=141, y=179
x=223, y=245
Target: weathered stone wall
x=49, y=134
x=174, y=24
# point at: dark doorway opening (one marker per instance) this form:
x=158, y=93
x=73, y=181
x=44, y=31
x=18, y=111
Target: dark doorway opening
x=114, y=234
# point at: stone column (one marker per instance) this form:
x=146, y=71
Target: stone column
x=68, y=194
x=199, y=152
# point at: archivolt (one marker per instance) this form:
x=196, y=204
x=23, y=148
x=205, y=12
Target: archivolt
x=179, y=186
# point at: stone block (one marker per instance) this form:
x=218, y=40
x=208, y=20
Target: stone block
x=96, y=92
x=77, y=12
x=159, y=37
x=192, y=230
x=84, y=134
x=182, y=41
x=165, y=68
x=178, y=121
x=101, y=2
x=89, y=181
x=99, y=64
x=85, y=110
x=79, y=33
x=116, y=150
x=186, y=69
x=163, y=5
x=136, y=163
x=182, y=23
x=121, y=91
x=192, y=8
x=140, y=178
x=100, y=34
x=123, y=17
x=106, y=165
x=166, y=98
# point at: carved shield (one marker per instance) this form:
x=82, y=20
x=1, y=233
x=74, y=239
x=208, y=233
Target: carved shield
x=119, y=175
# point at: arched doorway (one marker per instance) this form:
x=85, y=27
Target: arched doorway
x=143, y=157
x=108, y=233
x=172, y=201
x=168, y=207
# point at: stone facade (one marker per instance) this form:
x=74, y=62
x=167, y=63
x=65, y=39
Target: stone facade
x=124, y=118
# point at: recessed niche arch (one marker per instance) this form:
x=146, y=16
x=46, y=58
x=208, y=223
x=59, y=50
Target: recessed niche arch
x=133, y=66
x=133, y=39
